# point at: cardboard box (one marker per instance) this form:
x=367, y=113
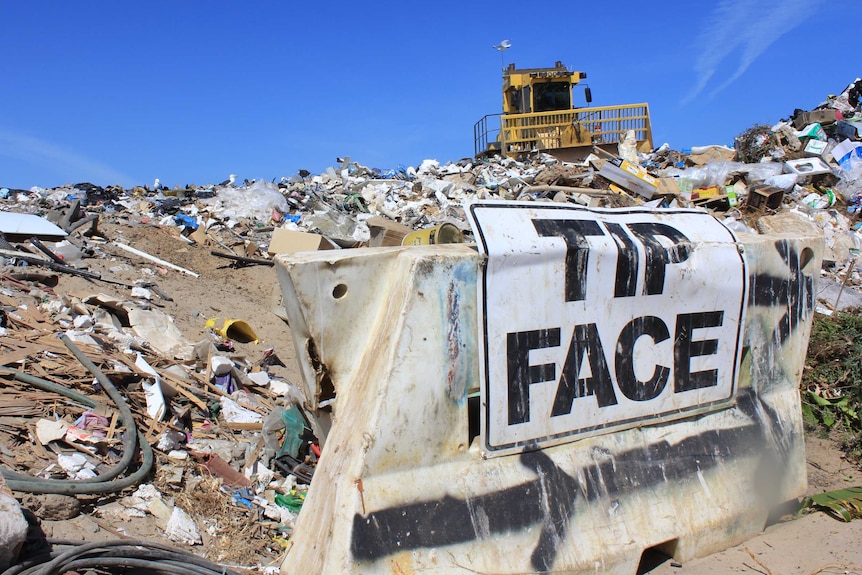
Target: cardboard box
x=825, y=116
x=734, y=192
x=815, y=147
x=765, y=197
x=286, y=241
x=385, y=232
x=704, y=193
x=631, y=177
x=814, y=131
x=845, y=149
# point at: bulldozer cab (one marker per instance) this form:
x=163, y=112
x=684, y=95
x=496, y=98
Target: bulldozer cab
x=540, y=113
x=539, y=89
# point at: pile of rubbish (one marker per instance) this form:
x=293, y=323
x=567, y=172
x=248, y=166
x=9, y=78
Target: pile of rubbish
x=811, y=163
x=106, y=402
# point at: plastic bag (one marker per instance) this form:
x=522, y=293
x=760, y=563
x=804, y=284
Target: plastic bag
x=759, y=172
x=783, y=181
x=711, y=174
x=850, y=182
x=289, y=424
x=627, y=147
x=337, y=226
x=738, y=225
x=815, y=201
x=254, y=202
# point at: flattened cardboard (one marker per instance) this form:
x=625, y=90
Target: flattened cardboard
x=385, y=232
x=286, y=241
x=712, y=154
x=667, y=186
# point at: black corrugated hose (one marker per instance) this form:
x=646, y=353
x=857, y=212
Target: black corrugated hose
x=106, y=482
x=119, y=557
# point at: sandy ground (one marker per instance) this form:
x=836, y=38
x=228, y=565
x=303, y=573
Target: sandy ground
x=811, y=544
x=222, y=290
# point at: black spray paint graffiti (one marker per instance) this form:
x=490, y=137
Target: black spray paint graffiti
x=795, y=291
x=448, y=521
x=550, y=499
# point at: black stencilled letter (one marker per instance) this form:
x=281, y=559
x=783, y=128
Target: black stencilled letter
x=522, y=374
x=657, y=255
x=626, y=281
x=585, y=343
x=629, y=384
x=684, y=348
x=574, y=232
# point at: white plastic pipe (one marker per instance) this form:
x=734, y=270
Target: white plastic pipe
x=147, y=256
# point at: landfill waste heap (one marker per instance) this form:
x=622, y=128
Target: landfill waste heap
x=111, y=409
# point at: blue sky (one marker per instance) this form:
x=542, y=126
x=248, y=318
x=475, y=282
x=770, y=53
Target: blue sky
x=189, y=92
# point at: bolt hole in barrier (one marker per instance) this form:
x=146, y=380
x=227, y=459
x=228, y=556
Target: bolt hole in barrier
x=806, y=258
x=339, y=291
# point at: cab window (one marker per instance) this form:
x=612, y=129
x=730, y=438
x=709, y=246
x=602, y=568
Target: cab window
x=552, y=96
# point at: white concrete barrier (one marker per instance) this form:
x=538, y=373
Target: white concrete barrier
x=576, y=388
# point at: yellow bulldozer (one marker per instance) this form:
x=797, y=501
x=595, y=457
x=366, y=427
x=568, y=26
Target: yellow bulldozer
x=539, y=115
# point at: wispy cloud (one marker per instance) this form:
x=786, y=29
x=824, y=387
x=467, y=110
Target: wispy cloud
x=746, y=27
x=57, y=160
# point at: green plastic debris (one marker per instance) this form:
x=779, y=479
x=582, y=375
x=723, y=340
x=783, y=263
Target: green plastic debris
x=294, y=429
x=843, y=504
x=293, y=501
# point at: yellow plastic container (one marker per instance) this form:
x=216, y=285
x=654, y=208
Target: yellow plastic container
x=235, y=329
x=442, y=234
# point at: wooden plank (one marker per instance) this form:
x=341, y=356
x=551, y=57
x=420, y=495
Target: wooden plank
x=12, y=342
x=206, y=382
x=245, y=426
x=128, y=363
x=4, y=449
x=37, y=315
x=50, y=341
x=21, y=320
x=16, y=356
x=208, y=372
x=180, y=385
x=113, y=427
x=155, y=429
x=36, y=320
x=40, y=370
x=251, y=459
x=78, y=447
x=181, y=388
x=108, y=528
